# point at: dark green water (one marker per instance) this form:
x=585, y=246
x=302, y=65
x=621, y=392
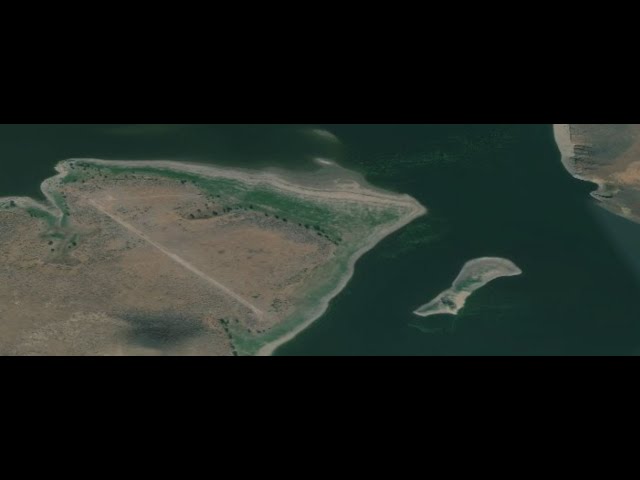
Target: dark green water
x=491, y=190
x=29, y=152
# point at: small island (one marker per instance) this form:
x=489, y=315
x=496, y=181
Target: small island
x=474, y=275
x=171, y=258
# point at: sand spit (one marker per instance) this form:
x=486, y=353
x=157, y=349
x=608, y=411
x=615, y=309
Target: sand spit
x=325, y=134
x=331, y=189
x=324, y=162
x=474, y=275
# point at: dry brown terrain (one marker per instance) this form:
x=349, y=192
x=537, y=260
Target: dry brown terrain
x=148, y=266
x=608, y=155
x=168, y=258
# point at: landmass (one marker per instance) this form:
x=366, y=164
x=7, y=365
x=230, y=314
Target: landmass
x=474, y=275
x=170, y=258
x=609, y=156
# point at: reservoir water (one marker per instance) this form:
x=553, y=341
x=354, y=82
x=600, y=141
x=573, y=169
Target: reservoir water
x=491, y=191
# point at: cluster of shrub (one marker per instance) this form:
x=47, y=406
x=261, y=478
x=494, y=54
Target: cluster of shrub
x=225, y=327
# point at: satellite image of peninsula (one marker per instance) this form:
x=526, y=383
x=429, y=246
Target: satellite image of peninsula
x=319, y=240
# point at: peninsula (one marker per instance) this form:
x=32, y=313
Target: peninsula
x=171, y=258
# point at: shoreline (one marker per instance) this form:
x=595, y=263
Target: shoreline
x=562, y=136
x=271, y=347
x=346, y=191
x=340, y=192
x=337, y=193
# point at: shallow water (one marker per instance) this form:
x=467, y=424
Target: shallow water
x=491, y=190
x=29, y=152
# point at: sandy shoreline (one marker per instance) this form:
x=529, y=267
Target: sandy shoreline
x=562, y=135
x=335, y=193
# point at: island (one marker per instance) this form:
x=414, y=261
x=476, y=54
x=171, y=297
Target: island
x=474, y=275
x=174, y=258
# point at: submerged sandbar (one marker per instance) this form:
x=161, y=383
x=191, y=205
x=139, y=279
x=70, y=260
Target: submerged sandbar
x=155, y=257
x=474, y=275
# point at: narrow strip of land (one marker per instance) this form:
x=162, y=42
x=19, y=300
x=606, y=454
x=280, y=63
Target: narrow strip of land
x=178, y=260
